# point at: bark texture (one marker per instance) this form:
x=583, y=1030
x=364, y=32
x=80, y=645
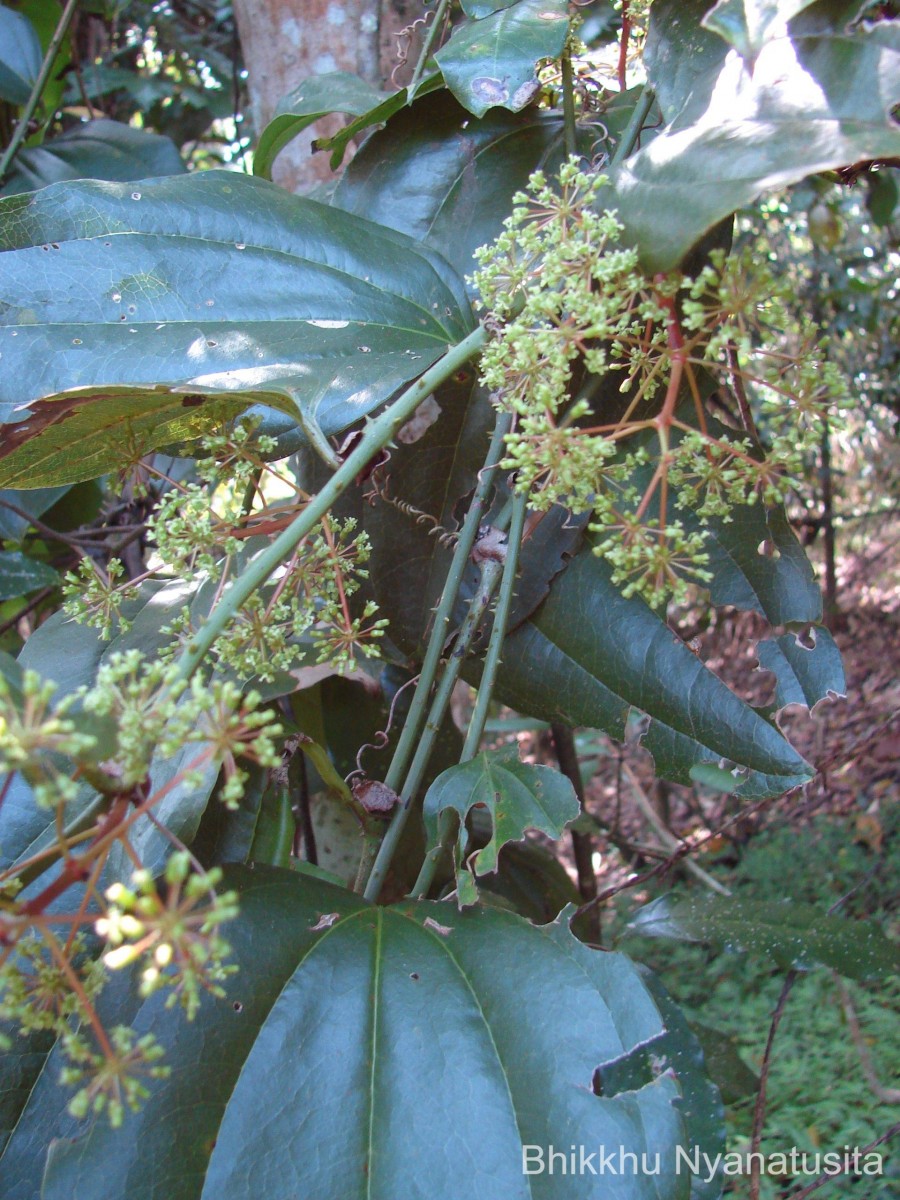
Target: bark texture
x=284, y=42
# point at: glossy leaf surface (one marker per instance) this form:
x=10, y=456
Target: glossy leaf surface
x=130, y=305
x=335, y=91
x=588, y=656
x=447, y=180
x=810, y=104
x=491, y=62
x=376, y=1052
x=749, y=24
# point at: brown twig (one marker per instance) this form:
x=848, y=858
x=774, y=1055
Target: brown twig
x=884, y=1094
x=623, y=46
x=828, y=1176
x=759, y=1109
x=33, y=603
x=582, y=846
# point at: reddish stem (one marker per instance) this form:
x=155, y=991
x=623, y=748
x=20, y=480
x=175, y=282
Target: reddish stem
x=623, y=44
x=75, y=870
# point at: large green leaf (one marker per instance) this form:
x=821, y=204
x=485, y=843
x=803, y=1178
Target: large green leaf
x=335, y=91
x=517, y=796
x=588, y=656
x=749, y=24
x=128, y=306
x=448, y=180
x=810, y=104
x=678, y=1051
x=20, y=56
x=683, y=59
x=377, y=1053
x=790, y=934
x=96, y=150
x=492, y=62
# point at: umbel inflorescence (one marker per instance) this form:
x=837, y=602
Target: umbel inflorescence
x=208, y=530
x=572, y=313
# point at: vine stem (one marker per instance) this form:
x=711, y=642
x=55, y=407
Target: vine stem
x=488, y=674
x=759, y=1109
x=21, y=129
x=568, y=97
x=441, y=627
x=419, y=68
x=487, y=585
x=379, y=431
x=635, y=125
x=623, y=47
x=498, y=631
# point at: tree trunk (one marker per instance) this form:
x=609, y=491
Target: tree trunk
x=284, y=42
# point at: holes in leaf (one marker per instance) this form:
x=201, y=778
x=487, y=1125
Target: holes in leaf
x=237, y=1006
x=807, y=638
x=768, y=549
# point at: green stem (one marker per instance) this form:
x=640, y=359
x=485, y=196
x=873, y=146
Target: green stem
x=498, y=630
x=441, y=627
x=488, y=676
x=568, y=91
x=635, y=125
x=439, y=14
x=490, y=577
x=379, y=431
x=21, y=130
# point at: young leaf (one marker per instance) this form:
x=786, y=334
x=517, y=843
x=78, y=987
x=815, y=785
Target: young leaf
x=335, y=91
x=492, y=62
x=129, y=305
x=790, y=934
x=375, y=1054
x=518, y=796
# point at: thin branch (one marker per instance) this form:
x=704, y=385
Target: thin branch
x=21, y=130
x=665, y=835
x=759, y=1110
x=883, y=1094
x=829, y=1176
x=582, y=845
